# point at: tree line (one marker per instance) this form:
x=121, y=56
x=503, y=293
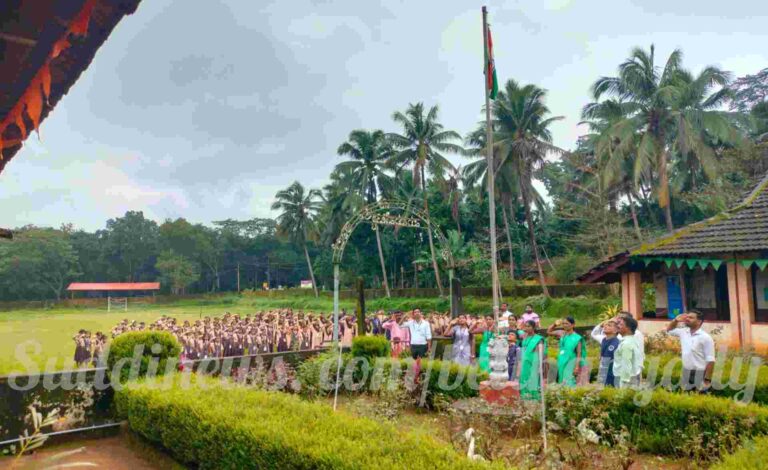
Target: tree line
x=663, y=147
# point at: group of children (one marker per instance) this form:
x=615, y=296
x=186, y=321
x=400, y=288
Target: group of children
x=89, y=348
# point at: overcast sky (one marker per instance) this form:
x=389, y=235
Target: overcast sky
x=204, y=109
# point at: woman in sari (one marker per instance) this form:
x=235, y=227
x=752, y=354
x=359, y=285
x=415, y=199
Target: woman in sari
x=572, y=355
x=534, y=349
x=484, y=356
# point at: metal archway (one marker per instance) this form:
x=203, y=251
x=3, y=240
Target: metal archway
x=380, y=213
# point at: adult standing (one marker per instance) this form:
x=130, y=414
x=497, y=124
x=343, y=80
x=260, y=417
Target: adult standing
x=530, y=315
x=534, y=353
x=628, y=358
x=461, y=351
x=572, y=354
x=487, y=328
x=698, y=350
x=598, y=333
x=421, y=334
x=506, y=319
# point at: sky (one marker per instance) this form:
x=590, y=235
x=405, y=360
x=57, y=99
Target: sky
x=204, y=109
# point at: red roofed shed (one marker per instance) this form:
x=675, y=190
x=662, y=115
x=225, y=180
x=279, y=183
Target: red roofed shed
x=113, y=286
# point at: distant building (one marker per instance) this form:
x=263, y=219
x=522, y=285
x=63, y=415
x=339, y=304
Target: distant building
x=716, y=266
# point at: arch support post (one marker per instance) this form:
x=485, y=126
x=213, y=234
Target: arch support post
x=335, y=302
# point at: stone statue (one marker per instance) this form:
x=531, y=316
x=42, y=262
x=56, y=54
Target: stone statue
x=498, y=347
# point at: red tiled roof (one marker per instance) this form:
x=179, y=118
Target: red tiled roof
x=104, y=286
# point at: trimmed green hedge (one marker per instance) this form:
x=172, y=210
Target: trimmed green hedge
x=668, y=424
x=750, y=457
x=724, y=385
x=370, y=346
x=446, y=379
x=223, y=426
x=160, y=346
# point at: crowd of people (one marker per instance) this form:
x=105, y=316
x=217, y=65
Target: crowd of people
x=89, y=347
x=622, y=344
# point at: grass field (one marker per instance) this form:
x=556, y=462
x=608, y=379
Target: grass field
x=46, y=335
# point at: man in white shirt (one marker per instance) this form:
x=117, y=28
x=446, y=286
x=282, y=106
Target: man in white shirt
x=421, y=334
x=698, y=350
x=504, y=318
x=628, y=359
x=598, y=335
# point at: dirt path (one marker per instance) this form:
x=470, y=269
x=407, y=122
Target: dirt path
x=121, y=452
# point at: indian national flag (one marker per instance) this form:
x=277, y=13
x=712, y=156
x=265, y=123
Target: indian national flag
x=491, y=83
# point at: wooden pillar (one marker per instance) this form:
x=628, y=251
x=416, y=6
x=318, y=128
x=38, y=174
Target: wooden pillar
x=456, y=298
x=741, y=303
x=360, y=307
x=632, y=294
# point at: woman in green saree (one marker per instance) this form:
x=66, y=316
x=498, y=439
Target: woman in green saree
x=533, y=349
x=572, y=355
x=487, y=328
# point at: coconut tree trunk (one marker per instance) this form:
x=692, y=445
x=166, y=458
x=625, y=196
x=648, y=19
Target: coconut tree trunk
x=311, y=271
x=664, y=198
x=509, y=243
x=429, y=235
x=381, y=260
x=534, y=245
x=635, y=222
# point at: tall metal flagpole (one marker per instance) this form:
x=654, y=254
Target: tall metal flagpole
x=491, y=173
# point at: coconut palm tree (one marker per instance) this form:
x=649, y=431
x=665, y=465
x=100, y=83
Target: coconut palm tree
x=368, y=152
x=421, y=145
x=297, y=220
x=505, y=183
x=666, y=114
x=522, y=139
x=615, y=172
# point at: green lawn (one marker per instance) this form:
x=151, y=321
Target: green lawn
x=53, y=329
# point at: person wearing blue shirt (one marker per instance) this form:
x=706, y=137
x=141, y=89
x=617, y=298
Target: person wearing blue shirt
x=609, y=342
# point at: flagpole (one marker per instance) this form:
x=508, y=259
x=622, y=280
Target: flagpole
x=491, y=173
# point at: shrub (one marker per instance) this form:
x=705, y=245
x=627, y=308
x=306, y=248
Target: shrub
x=690, y=425
x=750, y=457
x=728, y=380
x=159, y=346
x=370, y=346
x=317, y=377
x=224, y=426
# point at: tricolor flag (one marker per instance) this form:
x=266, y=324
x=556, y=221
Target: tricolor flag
x=491, y=83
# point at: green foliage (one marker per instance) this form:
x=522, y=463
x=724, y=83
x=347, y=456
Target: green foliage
x=224, y=426
x=177, y=271
x=39, y=262
x=370, y=346
x=570, y=266
x=442, y=379
x=750, y=457
x=728, y=380
x=155, y=346
x=691, y=425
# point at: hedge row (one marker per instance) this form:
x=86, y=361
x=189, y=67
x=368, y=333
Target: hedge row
x=224, y=426
x=660, y=422
x=317, y=377
x=750, y=457
x=729, y=376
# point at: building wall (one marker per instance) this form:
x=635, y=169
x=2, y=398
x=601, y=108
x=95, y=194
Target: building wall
x=650, y=327
x=760, y=335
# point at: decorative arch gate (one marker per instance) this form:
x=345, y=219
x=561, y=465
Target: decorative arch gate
x=392, y=212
